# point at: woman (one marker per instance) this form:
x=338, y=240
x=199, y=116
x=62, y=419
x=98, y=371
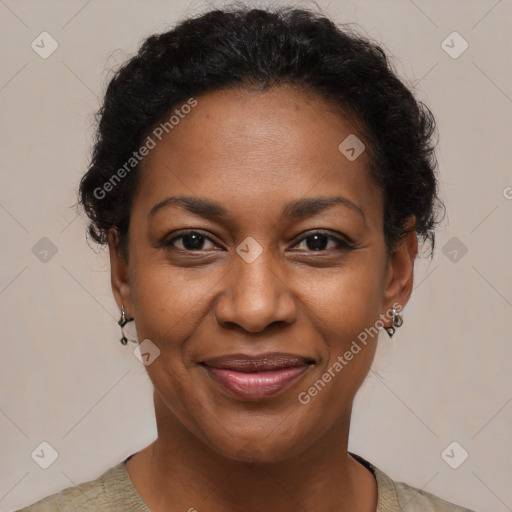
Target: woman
x=261, y=179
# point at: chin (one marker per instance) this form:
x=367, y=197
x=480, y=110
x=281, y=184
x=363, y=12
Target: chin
x=259, y=451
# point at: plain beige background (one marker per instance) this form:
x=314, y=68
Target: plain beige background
x=65, y=378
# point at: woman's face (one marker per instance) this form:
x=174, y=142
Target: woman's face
x=253, y=280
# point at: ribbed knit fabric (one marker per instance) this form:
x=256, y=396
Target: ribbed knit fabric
x=113, y=491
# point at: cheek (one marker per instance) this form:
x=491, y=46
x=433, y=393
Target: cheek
x=346, y=303
x=169, y=302
x=345, y=311
x=173, y=308
x=163, y=306
x=164, y=300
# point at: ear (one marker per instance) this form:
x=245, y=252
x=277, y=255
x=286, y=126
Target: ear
x=400, y=269
x=119, y=274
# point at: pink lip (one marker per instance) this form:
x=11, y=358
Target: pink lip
x=256, y=377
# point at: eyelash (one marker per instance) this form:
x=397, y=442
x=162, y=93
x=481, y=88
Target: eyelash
x=341, y=244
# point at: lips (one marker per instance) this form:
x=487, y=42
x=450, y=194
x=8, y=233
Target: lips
x=256, y=377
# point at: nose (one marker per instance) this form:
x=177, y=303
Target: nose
x=255, y=295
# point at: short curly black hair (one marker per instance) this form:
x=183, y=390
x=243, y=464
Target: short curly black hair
x=244, y=47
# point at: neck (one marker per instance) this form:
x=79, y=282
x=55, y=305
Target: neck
x=178, y=471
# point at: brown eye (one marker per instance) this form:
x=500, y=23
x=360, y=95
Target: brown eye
x=190, y=241
x=319, y=240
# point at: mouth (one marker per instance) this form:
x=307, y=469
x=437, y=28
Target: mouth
x=256, y=377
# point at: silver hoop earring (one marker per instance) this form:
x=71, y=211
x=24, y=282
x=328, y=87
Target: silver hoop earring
x=123, y=320
x=396, y=322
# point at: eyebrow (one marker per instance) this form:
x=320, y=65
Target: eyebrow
x=299, y=209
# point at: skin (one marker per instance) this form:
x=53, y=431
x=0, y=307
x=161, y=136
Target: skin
x=253, y=153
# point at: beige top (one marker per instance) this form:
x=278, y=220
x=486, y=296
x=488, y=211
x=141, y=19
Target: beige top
x=114, y=492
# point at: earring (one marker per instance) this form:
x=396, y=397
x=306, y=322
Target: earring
x=122, y=322
x=396, y=321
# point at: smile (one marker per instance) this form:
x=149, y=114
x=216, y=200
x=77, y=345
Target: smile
x=255, y=378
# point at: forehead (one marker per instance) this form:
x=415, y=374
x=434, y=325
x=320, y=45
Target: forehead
x=247, y=149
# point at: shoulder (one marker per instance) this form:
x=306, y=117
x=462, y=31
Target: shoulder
x=87, y=496
x=112, y=491
x=399, y=496
x=412, y=499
